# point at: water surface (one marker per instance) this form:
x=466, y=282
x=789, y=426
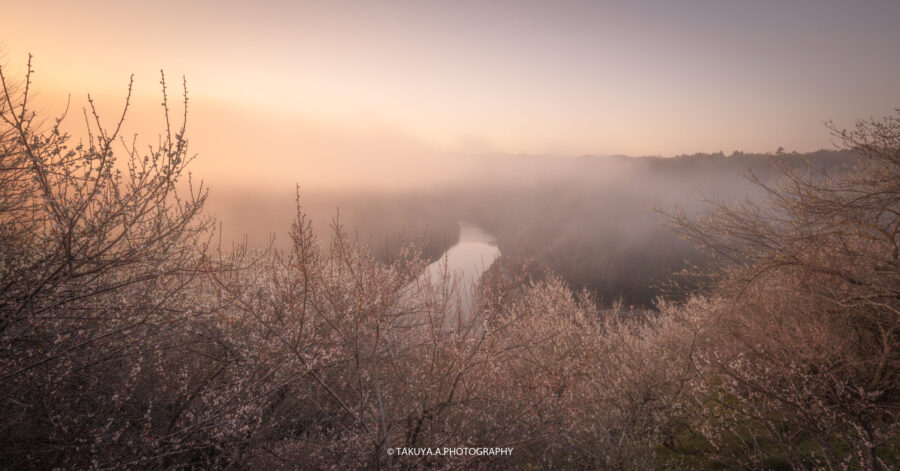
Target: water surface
x=466, y=261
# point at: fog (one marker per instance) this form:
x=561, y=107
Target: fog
x=594, y=220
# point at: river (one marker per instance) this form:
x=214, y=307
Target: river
x=466, y=261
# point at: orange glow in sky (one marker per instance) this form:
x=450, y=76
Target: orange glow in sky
x=318, y=87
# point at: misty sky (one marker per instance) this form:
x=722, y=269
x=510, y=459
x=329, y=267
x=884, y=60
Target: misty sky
x=314, y=88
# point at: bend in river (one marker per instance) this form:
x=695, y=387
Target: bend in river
x=475, y=252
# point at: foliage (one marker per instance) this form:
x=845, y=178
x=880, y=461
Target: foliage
x=126, y=341
x=805, y=364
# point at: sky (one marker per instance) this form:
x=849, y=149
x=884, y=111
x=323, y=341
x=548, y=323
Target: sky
x=335, y=92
